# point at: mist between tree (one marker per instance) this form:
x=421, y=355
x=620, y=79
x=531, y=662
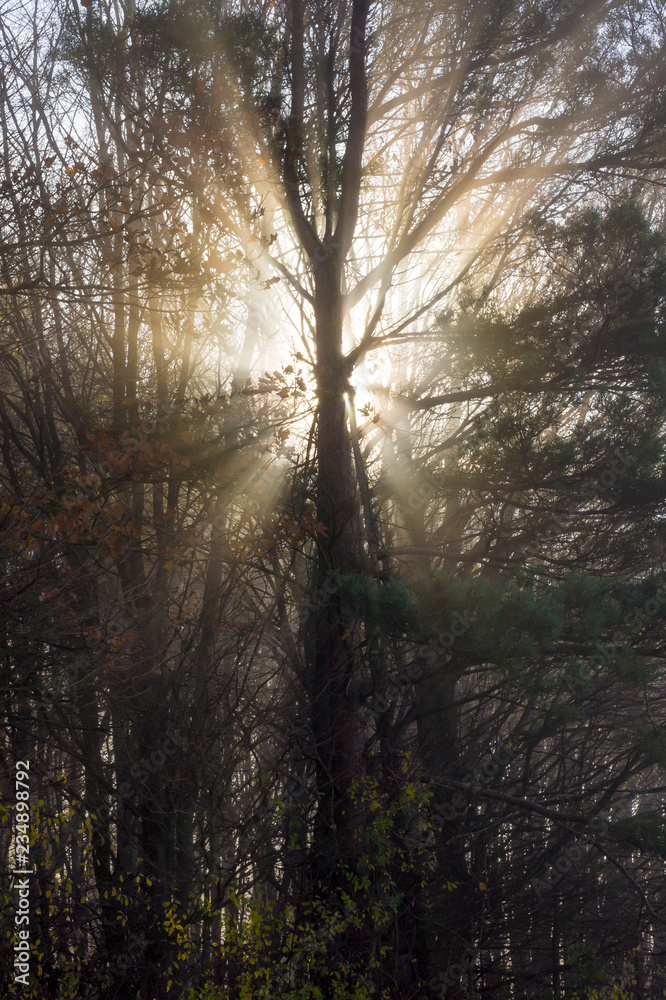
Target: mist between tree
x=332, y=483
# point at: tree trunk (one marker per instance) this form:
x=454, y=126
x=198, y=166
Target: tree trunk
x=335, y=655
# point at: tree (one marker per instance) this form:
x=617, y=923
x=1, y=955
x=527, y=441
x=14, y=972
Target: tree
x=457, y=192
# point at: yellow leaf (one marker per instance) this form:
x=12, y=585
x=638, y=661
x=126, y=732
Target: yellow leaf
x=482, y=886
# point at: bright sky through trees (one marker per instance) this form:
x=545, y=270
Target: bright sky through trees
x=332, y=410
